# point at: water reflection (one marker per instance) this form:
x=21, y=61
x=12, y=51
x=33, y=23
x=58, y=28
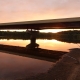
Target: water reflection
x=43, y=43
x=56, y=45
x=14, y=67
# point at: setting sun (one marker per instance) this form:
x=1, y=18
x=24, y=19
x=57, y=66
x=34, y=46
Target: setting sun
x=53, y=30
x=45, y=30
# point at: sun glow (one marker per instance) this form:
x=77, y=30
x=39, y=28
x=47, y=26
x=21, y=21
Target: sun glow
x=42, y=31
x=54, y=30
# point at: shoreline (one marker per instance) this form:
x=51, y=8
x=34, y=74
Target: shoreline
x=44, y=53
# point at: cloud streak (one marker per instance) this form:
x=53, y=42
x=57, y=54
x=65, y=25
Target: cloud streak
x=21, y=10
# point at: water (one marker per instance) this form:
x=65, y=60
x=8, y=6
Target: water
x=14, y=67
x=45, y=44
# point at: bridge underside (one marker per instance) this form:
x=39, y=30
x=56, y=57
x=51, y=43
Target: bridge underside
x=39, y=26
x=44, y=24
x=70, y=23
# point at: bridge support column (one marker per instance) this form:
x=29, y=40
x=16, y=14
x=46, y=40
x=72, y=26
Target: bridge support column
x=33, y=36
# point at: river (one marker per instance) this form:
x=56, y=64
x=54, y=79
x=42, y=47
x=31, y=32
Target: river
x=13, y=67
x=52, y=44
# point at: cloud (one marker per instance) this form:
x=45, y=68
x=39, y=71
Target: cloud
x=21, y=10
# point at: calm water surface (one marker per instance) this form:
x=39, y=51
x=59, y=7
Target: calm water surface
x=46, y=44
x=14, y=67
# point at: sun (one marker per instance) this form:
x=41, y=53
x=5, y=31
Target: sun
x=53, y=30
x=45, y=30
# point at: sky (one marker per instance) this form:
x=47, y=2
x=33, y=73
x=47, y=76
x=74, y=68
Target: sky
x=26, y=10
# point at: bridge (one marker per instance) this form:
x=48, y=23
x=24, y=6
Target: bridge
x=64, y=23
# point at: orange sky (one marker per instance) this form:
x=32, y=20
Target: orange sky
x=25, y=10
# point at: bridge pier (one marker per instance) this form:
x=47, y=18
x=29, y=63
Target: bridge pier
x=33, y=36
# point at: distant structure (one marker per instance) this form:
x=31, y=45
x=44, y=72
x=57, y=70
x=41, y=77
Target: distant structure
x=64, y=23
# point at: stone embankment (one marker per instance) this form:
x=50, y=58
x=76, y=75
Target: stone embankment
x=53, y=54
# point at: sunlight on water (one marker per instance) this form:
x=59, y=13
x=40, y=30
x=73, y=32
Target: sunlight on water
x=56, y=45
x=54, y=30
x=45, y=30
x=16, y=67
x=46, y=44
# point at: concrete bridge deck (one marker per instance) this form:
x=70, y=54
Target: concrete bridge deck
x=64, y=23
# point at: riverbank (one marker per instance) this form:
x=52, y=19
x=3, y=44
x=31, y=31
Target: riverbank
x=52, y=54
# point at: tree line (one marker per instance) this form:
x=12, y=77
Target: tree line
x=67, y=36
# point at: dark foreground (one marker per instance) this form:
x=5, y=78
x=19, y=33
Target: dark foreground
x=51, y=54
x=67, y=68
